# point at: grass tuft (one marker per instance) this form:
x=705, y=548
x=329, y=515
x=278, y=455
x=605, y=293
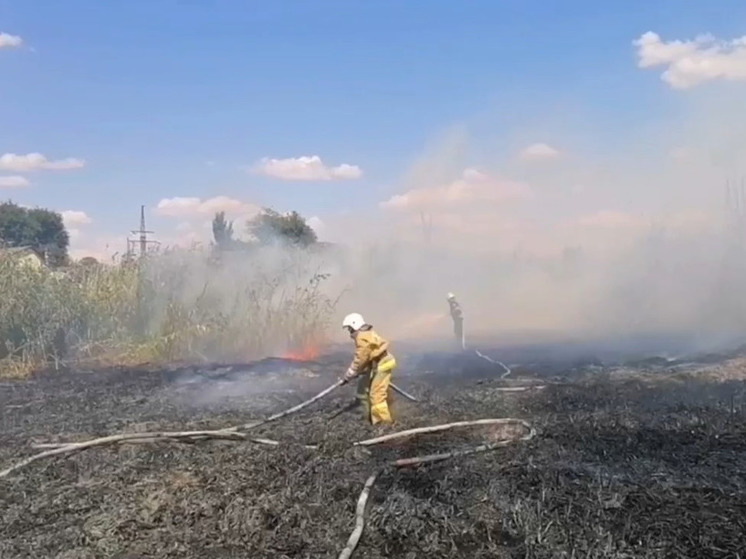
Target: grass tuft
x=173, y=306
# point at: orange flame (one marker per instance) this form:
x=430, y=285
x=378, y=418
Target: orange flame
x=309, y=352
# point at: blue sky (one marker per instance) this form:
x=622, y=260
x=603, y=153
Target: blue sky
x=172, y=98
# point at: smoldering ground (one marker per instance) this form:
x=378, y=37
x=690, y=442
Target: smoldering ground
x=226, y=387
x=646, y=461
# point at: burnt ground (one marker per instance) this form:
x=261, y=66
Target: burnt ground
x=646, y=460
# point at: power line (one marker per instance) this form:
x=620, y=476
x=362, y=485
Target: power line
x=142, y=237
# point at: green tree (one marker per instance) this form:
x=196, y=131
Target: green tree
x=271, y=227
x=222, y=231
x=53, y=239
x=41, y=229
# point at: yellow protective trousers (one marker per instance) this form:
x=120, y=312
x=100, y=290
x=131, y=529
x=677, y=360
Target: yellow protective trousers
x=374, y=391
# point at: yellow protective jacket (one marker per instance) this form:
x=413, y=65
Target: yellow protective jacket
x=370, y=349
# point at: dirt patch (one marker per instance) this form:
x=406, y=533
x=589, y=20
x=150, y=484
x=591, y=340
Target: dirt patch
x=619, y=468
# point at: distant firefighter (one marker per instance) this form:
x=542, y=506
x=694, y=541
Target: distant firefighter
x=457, y=315
x=373, y=364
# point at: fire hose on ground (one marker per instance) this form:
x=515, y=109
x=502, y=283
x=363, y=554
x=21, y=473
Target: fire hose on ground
x=237, y=433
x=495, y=362
x=486, y=358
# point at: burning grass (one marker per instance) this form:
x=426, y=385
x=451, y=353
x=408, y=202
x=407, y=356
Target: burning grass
x=174, y=306
x=619, y=468
x=308, y=351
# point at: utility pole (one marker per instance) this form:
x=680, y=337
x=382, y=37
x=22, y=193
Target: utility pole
x=142, y=239
x=427, y=227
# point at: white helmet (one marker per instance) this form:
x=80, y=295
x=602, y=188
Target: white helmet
x=354, y=321
x=451, y=296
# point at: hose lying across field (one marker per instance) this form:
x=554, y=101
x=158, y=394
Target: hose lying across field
x=237, y=433
x=495, y=362
x=486, y=358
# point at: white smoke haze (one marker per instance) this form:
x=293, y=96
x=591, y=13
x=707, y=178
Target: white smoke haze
x=560, y=241
x=635, y=242
x=237, y=307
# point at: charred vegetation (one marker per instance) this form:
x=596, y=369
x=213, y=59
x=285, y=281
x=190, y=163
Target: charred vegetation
x=626, y=462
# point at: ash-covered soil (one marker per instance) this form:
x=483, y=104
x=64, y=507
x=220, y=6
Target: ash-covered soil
x=643, y=461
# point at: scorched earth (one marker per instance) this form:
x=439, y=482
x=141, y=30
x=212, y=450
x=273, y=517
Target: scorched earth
x=627, y=461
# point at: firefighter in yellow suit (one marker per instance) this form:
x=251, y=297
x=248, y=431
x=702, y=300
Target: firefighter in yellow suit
x=373, y=364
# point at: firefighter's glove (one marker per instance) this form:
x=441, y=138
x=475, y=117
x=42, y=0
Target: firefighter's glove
x=349, y=375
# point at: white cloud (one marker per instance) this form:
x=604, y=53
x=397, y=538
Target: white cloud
x=691, y=63
x=316, y=223
x=37, y=161
x=539, y=151
x=10, y=41
x=75, y=218
x=191, y=207
x=306, y=168
x=473, y=187
x=14, y=181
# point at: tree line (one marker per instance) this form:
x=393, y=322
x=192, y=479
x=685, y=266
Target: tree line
x=267, y=228
x=43, y=231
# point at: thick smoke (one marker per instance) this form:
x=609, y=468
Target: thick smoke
x=234, y=305
x=563, y=241
x=564, y=234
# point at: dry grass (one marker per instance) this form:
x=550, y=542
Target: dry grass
x=174, y=306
